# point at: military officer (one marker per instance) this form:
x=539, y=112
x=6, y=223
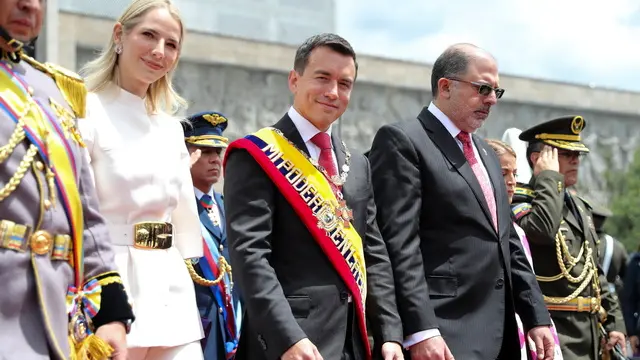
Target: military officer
x=561, y=233
x=218, y=302
x=61, y=297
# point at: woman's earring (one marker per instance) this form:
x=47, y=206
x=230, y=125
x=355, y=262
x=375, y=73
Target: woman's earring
x=118, y=49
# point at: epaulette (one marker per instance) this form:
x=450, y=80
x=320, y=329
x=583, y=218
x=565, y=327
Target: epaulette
x=520, y=210
x=71, y=85
x=585, y=201
x=523, y=193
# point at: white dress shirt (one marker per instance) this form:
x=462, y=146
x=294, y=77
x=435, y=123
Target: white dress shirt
x=140, y=166
x=307, y=130
x=454, y=131
x=215, y=209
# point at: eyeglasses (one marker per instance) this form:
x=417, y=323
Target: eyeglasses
x=483, y=89
x=571, y=155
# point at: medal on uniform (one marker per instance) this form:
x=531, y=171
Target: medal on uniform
x=78, y=327
x=343, y=212
x=214, y=216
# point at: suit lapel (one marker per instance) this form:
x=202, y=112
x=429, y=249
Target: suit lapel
x=572, y=219
x=290, y=132
x=570, y=216
x=341, y=154
x=450, y=149
x=223, y=218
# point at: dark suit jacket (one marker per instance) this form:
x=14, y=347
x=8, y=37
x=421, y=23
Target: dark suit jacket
x=449, y=262
x=290, y=288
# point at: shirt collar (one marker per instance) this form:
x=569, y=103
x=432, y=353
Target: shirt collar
x=199, y=193
x=444, y=119
x=306, y=129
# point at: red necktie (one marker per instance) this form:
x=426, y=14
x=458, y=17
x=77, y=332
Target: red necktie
x=467, y=148
x=323, y=141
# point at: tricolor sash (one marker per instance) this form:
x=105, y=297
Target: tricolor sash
x=221, y=291
x=43, y=130
x=313, y=199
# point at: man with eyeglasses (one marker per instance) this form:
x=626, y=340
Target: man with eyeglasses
x=460, y=269
x=560, y=228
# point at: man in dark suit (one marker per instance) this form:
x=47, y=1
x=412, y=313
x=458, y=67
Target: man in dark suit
x=459, y=267
x=301, y=231
x=218, y=301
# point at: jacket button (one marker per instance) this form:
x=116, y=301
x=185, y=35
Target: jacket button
x=499, y=283
x=344, y=295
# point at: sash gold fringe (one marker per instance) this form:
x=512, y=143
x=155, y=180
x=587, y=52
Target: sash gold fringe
x=91, y=348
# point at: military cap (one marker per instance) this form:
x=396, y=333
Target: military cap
x=562, y=133
x=205, y=129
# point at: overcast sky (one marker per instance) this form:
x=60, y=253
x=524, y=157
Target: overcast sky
x=592, y=42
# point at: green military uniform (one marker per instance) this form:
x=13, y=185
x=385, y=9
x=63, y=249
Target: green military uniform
x=562, y=237
x=56, y=262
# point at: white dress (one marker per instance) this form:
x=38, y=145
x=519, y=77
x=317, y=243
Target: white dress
x=141, y=171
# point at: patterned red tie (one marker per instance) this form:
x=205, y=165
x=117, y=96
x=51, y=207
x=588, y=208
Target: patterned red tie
x=323, y=141
x=467, y=148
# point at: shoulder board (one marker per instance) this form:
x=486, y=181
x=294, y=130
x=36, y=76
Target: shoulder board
x=71, y=85
x=585, y=201
x=521, y=210
x=577, y=195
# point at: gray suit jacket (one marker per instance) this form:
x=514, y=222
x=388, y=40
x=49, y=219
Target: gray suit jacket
x=33, y=312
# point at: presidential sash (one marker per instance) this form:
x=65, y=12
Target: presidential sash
x=312, y=197
x=43, y=131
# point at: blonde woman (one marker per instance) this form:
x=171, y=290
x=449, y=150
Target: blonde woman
x=508, y=158
x=141, y=171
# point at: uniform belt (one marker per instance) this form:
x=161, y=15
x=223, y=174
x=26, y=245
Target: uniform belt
x=144, y=235
x=19, y=238
x=579, y=304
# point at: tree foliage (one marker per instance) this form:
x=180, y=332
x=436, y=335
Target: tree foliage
x=624, y=187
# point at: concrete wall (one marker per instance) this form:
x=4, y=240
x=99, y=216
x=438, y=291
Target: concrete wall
x=246, y=80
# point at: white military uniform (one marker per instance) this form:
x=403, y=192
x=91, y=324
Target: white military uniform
x=141, y=171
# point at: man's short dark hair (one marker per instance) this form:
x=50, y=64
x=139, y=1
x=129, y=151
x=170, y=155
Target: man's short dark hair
x=453, y=62
x=532, y=147
x=332, y=41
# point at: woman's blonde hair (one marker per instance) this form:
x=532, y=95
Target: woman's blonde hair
x=99, y=72
x=501, y=147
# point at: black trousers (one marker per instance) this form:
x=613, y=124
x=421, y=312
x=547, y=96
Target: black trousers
x=347, y=352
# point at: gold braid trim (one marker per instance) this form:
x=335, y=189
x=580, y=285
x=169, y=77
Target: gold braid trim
x=588, y=275
x=110, y=280
x=561, y=248
x=71, y=85
x=223, y=266
x=104, y=275
x=16, y=138
x=15, y=180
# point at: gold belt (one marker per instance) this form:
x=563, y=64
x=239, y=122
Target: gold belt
x=152, y=235
x=18, y=237
x=578, y=304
